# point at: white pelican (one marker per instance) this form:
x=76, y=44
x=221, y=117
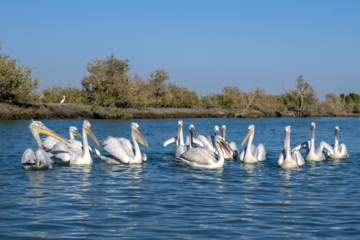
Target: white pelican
x=201, y=157
x=62, y=100
x=313, y=153
x=232, y=145
x=340, y=151
x=71, y=153
x=39, y=159
x=178, y=140
x=122, y=150
x=49, y=142
x=287, y=158
x=181, y=147
x=252, y=153
x=192, y=138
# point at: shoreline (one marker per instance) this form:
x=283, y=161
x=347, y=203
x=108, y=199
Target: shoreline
x=27, y=111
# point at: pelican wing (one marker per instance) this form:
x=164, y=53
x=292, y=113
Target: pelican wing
x=343, y=150
x=127, y=146
x=207, y=142
x=110, y=159
x=260, y=152
x=201, y=156
x=298, y=158
x=281, y=158
x=115, y=148
x=327, y=147
x=305, y=145
x=170, y=141
x=49, y=142
x=62, y=153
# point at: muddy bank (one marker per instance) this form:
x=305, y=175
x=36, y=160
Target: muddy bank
x=25, y=111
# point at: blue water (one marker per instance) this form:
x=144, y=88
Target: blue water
x=163, y=199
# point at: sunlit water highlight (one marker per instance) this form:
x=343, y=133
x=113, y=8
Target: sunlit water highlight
x=163, y=199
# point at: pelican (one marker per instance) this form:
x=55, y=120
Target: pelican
x=287, y=158
x=178, y=140
x=340, y=151
x=252, y=153
x=49, y=142
x=71, y=153
x=62, y=100
x=39, y=159
x=313, y=153
x=181, y=147
x=122, y=150
x=201, y=157
x=192, y=138
x=232, y=145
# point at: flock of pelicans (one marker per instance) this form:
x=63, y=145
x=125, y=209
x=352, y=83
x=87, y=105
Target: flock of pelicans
x=195, y=150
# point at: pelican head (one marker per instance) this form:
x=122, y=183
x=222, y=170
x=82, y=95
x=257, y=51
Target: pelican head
x=222, y=144
x=180, y=126
x=137, y=135
x=249, y=133
x=223, y=131
x=192, y=131
x=37, y=127
x=87, y=129
x=287, y=137
x=216, y=130
x=74, y=131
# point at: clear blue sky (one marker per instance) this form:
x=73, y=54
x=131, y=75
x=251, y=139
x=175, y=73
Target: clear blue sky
x=202, y=44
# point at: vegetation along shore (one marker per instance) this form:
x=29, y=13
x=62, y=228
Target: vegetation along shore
x=110, y=92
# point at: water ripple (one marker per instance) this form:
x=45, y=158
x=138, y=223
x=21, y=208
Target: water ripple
x=164, y=199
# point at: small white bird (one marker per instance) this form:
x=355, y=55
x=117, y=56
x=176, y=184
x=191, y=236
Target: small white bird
x=62, y=100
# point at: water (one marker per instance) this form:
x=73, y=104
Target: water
x=163, y=199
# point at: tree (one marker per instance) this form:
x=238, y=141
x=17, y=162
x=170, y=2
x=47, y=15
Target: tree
x=16, y=82
x=156, y=82
x=303, y=99
x=352, y=101
x=108, y=83
x=334, y=104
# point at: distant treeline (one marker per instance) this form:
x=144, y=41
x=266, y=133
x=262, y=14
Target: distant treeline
x=109, y=85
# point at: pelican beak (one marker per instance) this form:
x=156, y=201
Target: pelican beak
x=140, y=137
x=337, y=134
x=248, y=134
x=179, y=132
x=226, y=148
x=47, y=131
x=287, y=140
x=192, y=132
x=312, y=127
x=92, y=135
x=76, y=132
